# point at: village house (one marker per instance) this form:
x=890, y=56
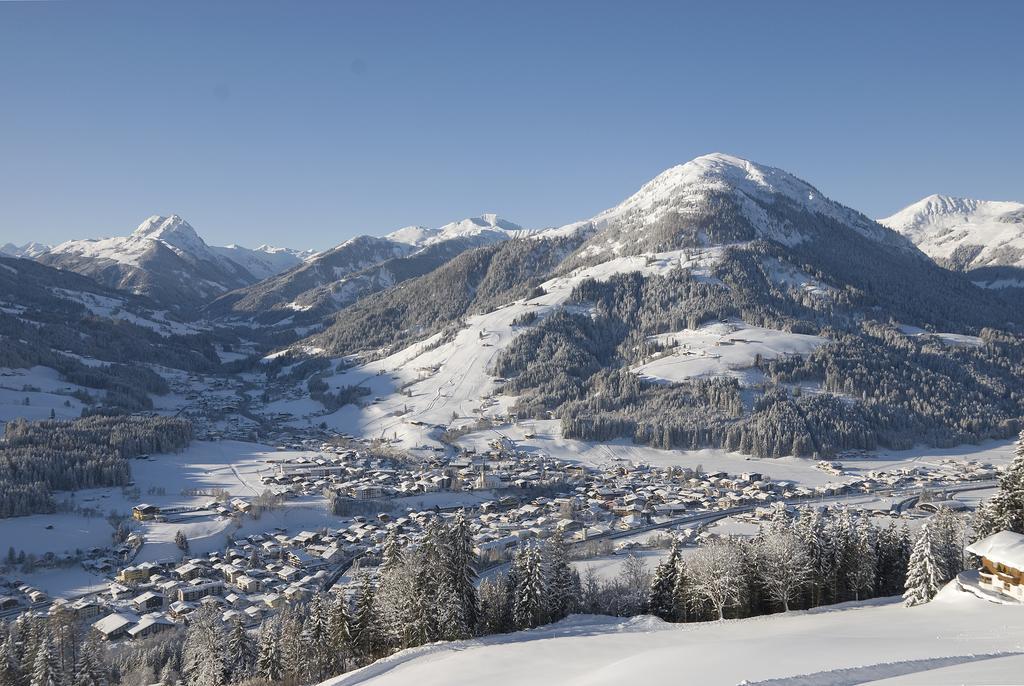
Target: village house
x=1002, y=563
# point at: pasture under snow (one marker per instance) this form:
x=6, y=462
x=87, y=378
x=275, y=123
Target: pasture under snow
x=956, y=639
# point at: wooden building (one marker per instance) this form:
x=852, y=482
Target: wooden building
x=1002, y=564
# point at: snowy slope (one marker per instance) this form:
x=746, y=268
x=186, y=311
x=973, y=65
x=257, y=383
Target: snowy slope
x=956, y=639
x=964, y=233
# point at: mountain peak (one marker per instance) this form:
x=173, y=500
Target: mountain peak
x=485, y=228
x=964, y=233
x=159, y=226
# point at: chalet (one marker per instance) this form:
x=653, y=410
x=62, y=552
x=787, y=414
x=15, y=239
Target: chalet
x=144, y=512
x=1002, y=563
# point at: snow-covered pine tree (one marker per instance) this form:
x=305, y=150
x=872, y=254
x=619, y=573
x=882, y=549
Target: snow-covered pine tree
x=528, y=595
x=661, y=599
x=203, y=660
x=45, y=671
x=495, y=613
x=562, y=580
x=315, y=634
x=451, y=619
x=294, y=663
x=89, y=670
x=268, y=657
x=681, y=594
x=337, y=633
x=363, y=626
x=949, y=537
x=421, y=616
x=9, y=674
x=241, y=653
x=863, y=563
x=391, y=555
x=459, y=560
x=168, y=675
x=1005, y=510
x=924, y=574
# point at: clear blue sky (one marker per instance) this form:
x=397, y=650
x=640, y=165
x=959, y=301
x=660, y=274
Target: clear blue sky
x=305, y=123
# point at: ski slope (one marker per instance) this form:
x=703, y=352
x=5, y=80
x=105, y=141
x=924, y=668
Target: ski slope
x=956, y=639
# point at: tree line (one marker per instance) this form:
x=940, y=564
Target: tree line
x=40, y=457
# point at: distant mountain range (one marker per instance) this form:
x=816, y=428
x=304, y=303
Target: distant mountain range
x=863, y=333
x=166, y=260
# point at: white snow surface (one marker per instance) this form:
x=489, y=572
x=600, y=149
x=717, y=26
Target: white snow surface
x=940, y=224
x=855, y=643
x=723, y=349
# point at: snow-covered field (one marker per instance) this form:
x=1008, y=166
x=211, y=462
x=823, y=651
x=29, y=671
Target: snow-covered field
x=723, y=349
x=956, y=639
x=46, y=392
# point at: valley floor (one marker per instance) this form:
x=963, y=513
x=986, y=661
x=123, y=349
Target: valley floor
x=955, y=639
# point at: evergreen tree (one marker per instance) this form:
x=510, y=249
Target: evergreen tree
x=337, y=634
x=363, y=627
x=924, y=574
x=203, y=660
x=949, y=536
x=661, y=600
x=9, y=674
x=316, y=634
x=562, y=580
x=1005, y=510
x=89, y=669
x=680, y=594
x=45, y=671
x=528, y=594
x=241, y=653
x=294, y=662
x=459, y=560
x=268, y=658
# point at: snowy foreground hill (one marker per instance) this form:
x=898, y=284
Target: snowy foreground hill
x=956, y=639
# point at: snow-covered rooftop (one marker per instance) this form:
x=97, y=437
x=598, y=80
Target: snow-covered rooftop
x=1005, y=548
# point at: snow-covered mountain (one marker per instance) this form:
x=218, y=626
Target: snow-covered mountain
x=30, y=250
x=708, y=271
x=487, y=228
x=266, y=260
x=964, y=233
x=360, y=266
x=167, y=260
x=762, y=202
